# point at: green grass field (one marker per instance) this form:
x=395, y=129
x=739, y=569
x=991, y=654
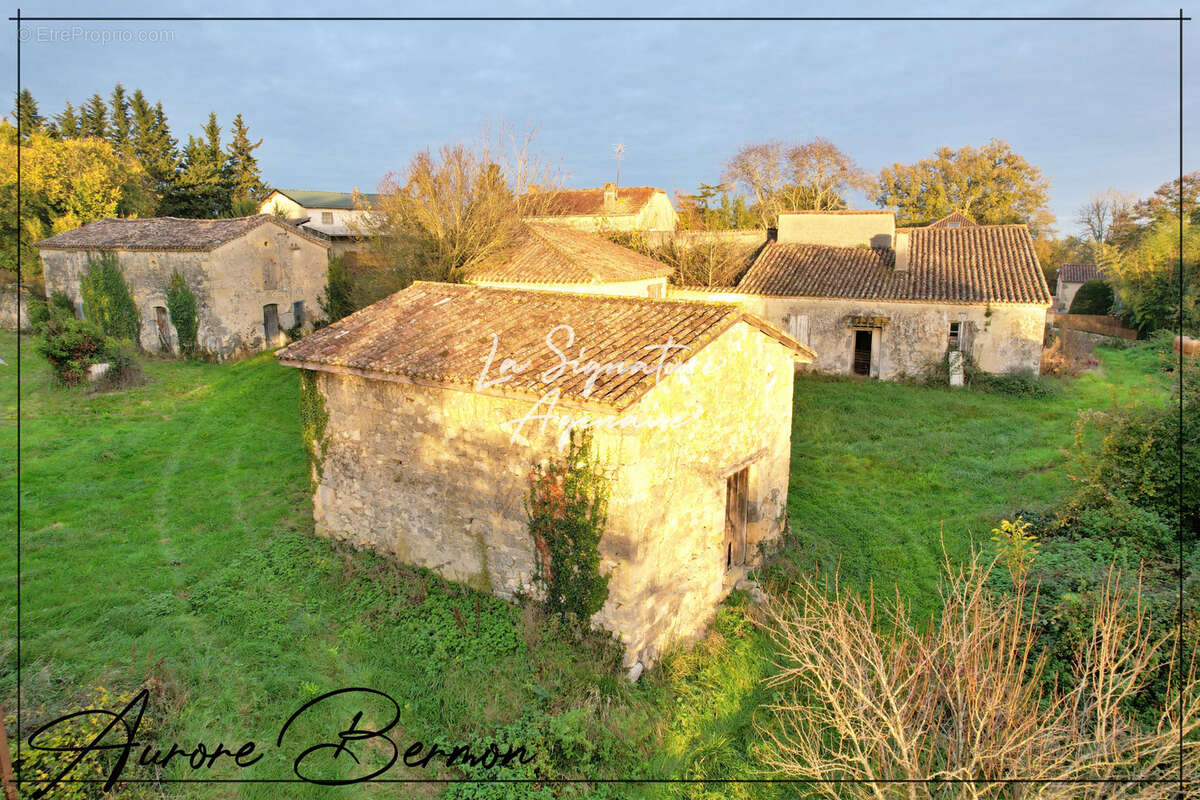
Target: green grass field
x=166, y=534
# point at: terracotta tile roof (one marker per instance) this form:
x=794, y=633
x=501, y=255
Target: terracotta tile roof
x=551, y=254
x=590, y=202
x=1080, y=273
x=163, y=233
x=441, y=334
x=955, y=219
x=980, y=264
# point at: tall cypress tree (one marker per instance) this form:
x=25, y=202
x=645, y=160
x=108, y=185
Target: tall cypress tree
x=28, y=118
x=120, y=130
x=246, y=187
x=154, y=148
x=67, y=123
x=202, y=189
x=94, y=118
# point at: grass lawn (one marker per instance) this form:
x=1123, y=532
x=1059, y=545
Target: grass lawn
x=166, y=535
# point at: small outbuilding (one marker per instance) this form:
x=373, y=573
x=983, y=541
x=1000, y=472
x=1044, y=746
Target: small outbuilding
x=609, y=207
x=253, y=277
x=1070, y=278
x=437, y=400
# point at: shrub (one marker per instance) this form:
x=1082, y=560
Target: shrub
x=1093, y=297
x=867, y=695
x=181, y=305
x=71, y=345
x=336, y=298
x=108, y=300
x=568, y=507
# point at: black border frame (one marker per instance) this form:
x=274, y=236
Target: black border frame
x=1182, y=780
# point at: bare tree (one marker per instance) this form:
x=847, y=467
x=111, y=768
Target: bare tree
x=868, y=696
x=822, y=175
x=451, y=210
x=761, y=170
x=1099, y=218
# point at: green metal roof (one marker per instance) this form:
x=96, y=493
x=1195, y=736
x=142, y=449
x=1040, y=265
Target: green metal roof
x=314, y=199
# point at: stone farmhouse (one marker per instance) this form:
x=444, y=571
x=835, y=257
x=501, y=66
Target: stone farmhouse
x=631, y=208
x=882, y=302
x=254, y=277
x=553, y=258
x=440, y=397
x=1070, y=278
x=333, y=215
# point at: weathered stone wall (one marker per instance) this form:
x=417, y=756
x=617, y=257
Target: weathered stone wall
x=232, y=283
x=1065, y=295
x=855, y=229
x=430, y=476
x=641, y=288
x=1001, y=339
x=14, y=308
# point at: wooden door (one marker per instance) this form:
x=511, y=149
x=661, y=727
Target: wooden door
x=271, y=323
x=164, y=329
x=736, y=490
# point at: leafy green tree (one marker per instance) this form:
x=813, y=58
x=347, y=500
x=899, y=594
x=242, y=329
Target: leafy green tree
x=1148, y=282
x=94, y=118
x=243, y=176
x=1093, y=297
x=337, y=298
x=990, y=184
x=28, y=119
x=121, y=128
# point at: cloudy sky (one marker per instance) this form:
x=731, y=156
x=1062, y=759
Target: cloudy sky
x=338, y=104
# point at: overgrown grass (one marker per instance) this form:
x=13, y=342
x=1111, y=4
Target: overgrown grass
x=166, y=533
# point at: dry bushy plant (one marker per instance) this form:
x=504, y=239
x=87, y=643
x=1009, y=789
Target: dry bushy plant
x=867, y=696
x=1069, y=353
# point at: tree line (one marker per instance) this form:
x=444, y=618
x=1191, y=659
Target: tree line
x=118, y=157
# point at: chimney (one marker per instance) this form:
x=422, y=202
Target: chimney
x=901, y=249
x=610, y=197
x=838, y=228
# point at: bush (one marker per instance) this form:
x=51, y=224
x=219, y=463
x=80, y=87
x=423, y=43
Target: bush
x=1093, y=297
x=336, y=298
x=181, y=305
x=937, y=375
x=71, y=345
x=108, y=300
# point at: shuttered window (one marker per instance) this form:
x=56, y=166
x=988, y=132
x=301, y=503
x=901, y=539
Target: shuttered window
x=797, y=327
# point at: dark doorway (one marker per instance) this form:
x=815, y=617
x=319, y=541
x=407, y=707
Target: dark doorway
x=271, y=323
x=164, y=329
x=737, y=488
x=862, y=353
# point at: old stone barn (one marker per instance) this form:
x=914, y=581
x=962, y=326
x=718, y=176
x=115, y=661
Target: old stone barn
x=882, y=302
x=437, y=401
x=253, y=277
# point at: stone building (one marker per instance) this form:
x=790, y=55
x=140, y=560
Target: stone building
x=630, y=208
x=878, y=301
x=438, y=399
x=333, y=215
x=1070, y=278
x=254, y=277
x=555, y=258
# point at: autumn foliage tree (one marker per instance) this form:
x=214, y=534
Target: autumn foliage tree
x=990, y=184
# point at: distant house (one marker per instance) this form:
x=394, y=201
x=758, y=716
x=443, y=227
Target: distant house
x=333, y=215
x=955, y=219
x=254, y=277
x=1070, y=278
x=882, y=302
x=554, y=258
x=641, y=208
x=439, y=397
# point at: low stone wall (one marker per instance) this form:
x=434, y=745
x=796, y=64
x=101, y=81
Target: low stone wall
x=14, y=308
